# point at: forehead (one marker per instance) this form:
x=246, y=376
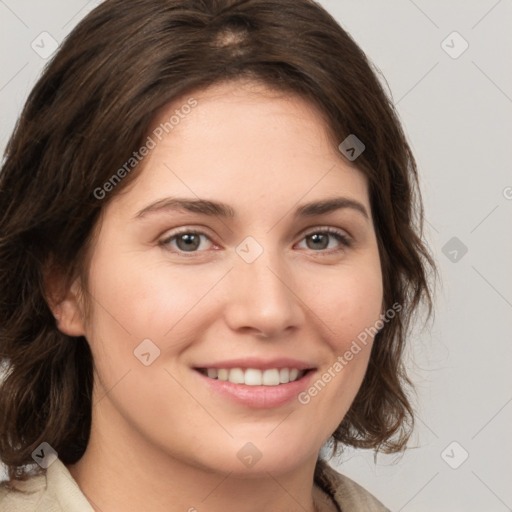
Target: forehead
x=243, y=141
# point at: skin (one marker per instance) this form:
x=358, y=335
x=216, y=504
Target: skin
x=159, y=437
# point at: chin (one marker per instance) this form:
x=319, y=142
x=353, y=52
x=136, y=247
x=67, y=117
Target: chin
x=257, y=458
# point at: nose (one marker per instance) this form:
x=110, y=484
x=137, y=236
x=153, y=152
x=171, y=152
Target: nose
x=262, y=296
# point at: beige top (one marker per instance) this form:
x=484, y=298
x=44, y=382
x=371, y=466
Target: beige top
x=57, y=491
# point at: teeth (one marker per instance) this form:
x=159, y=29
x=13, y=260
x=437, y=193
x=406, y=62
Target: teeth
x=255, y=377
x=271, y=377
x=236, y=375
x=212, y=373
x=252, y=377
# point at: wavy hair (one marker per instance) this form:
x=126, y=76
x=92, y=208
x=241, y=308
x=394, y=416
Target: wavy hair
x=92, y=108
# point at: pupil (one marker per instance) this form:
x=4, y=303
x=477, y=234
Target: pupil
x=319, y=237
x=189, y=242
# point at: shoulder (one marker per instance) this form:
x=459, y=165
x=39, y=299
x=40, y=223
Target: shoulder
x=348, y=495
x=55, y=490
x=22, y=495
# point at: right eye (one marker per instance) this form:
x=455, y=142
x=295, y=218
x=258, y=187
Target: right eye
x=185, y=241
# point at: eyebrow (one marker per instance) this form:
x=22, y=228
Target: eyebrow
x=218, y=209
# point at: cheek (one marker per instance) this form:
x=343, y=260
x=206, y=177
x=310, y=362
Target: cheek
x=146, y=298
x=348, y=302
x=133, y=301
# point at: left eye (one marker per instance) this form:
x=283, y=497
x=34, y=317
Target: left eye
x=320, y=240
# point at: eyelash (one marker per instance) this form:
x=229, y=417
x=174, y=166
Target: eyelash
x=343, y=239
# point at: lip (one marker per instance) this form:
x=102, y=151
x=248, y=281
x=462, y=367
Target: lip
x=257, y=397
x=259, y=363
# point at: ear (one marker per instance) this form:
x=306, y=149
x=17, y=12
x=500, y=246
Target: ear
x=65, y=303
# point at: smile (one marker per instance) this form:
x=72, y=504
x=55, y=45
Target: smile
x=254, y=376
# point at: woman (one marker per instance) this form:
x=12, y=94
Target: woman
x=210, y=253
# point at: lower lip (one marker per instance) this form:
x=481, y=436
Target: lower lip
x=258, y=397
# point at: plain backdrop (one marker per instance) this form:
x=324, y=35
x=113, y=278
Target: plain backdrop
x=449, y=69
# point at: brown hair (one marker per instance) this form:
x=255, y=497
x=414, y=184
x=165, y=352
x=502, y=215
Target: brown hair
x=92, y=108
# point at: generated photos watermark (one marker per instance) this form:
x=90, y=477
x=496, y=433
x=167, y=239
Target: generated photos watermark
x=341, y=361
x=151, y=142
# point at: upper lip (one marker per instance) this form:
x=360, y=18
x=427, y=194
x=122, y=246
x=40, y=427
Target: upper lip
x=259, y=363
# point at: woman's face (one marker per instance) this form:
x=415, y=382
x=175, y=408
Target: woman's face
x=241, y=276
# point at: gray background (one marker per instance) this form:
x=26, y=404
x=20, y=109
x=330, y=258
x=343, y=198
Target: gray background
x=457, y=114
